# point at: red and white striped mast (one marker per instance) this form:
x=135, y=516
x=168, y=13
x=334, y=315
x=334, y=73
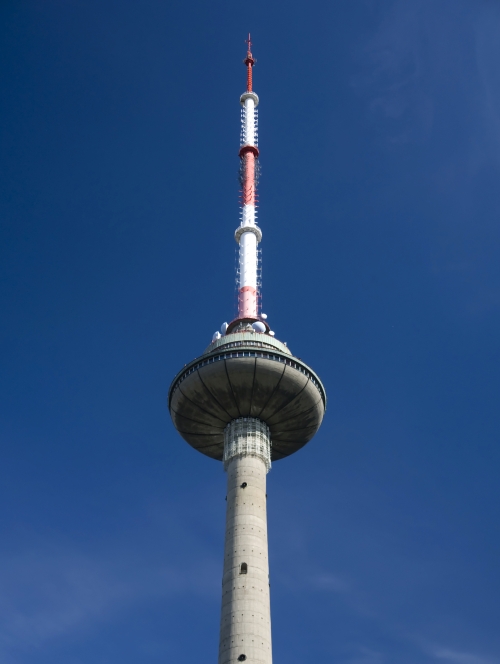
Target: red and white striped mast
x=248, y=234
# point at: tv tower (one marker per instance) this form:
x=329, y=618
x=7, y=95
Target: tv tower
x=247, y=401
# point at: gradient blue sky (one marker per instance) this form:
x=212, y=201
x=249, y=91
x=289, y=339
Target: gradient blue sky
x=380, y=205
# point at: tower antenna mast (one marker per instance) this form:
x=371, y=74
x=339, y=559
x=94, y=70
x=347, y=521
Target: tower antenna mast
x=248, y=234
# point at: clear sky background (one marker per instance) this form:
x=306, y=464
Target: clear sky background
x=380, y=206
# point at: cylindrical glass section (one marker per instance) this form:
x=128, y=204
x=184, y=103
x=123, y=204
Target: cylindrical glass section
x=245, y=633
x=247, y=436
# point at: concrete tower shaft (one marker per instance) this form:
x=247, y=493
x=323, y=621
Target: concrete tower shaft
x=245, y=629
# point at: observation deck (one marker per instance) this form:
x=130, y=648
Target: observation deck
x=247, y=374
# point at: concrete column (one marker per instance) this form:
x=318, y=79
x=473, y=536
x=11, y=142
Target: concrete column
x=245, y=633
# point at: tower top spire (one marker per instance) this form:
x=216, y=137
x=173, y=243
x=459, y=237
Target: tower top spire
x=249, y=61
x=249, y=44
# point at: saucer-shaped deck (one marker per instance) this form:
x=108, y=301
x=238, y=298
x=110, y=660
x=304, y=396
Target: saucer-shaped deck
x=247, y=379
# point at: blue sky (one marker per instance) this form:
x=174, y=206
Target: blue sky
x=380, y=204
